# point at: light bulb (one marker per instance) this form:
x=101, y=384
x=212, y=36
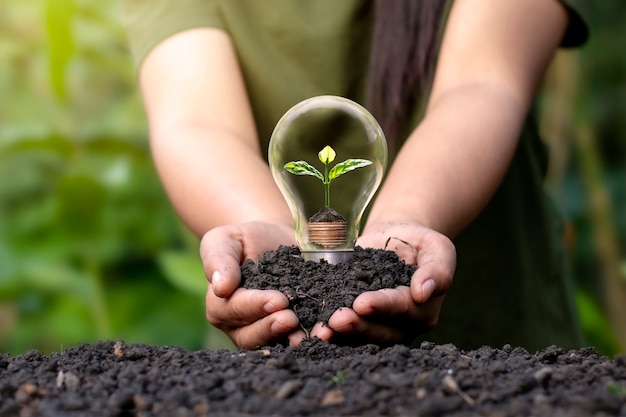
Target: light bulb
x=327, y=155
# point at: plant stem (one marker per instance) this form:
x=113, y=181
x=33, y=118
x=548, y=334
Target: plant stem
x=326, y=186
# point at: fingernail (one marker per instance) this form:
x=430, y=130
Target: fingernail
x=216, y=279
x=345, y=329
x=428, y=288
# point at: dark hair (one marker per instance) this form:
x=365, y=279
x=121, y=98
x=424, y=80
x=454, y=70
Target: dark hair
x=402, y=58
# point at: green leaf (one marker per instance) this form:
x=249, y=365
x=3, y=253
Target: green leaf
x=184, y=271
x=595, y=324
x=58, y=19
x=303, y=168
x=327, y=155
x=347, y=166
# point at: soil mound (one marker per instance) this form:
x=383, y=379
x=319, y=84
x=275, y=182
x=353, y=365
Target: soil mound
x=317, y=289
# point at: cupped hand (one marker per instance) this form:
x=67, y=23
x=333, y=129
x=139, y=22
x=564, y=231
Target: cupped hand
x=400, y=314
x=251, y=318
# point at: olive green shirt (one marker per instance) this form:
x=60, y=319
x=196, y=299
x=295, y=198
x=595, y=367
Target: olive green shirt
x=512, y=283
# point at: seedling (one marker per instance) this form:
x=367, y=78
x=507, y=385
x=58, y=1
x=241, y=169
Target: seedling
x=326, y=156
x=337, y=377
x=616, y=389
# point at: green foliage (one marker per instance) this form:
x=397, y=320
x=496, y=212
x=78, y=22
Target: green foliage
x=595, y=325
x=347, y=166
x=326, y=156
x=303, y=168
x=90, y=247
x=58, y=18
x=182, y=269
x=91, y=238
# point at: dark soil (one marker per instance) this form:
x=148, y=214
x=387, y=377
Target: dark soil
x=317, y=379
x=327, y=214
x=318, y=289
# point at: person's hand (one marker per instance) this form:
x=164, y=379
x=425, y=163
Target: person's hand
x=251, y=318
x=398, y=315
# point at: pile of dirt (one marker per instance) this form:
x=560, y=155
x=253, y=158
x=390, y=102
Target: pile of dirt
x=316, y=379
x=317, y=289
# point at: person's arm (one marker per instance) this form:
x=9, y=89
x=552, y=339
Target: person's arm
x=203, y=136
x=492, y=59
x=206, y=151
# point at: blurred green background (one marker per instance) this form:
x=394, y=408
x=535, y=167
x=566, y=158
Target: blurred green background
x=91, y=249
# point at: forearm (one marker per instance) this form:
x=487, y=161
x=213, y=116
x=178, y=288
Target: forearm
x=203, y=135
x=492, y=59
x=454, y=161
x=213, y=179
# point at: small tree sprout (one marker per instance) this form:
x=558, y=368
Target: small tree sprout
x=326, y=157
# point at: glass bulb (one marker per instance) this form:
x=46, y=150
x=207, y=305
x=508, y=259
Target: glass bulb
x=327, y=155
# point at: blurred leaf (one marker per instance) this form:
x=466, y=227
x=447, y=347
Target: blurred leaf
x=147, y=309
x=596, y=327
x=183, y=270
x=26, y=172
x=58, y=19
x=81, y=200
x=46, y=277
x=50, y=323
x=7, y=262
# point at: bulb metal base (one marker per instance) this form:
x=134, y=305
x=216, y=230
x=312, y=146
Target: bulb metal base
x=334, y=257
